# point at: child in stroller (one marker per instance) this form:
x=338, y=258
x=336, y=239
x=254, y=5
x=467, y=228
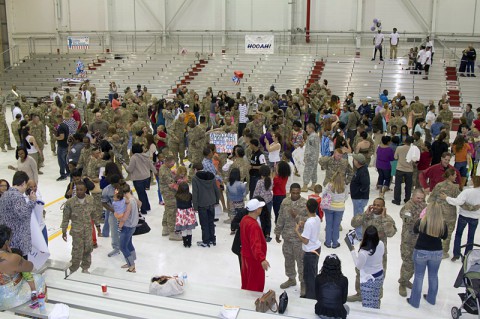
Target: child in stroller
x=469, y=277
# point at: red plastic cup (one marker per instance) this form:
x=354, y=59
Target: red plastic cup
x=104, y=289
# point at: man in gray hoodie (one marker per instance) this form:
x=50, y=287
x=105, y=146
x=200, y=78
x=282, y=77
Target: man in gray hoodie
x=205, y=195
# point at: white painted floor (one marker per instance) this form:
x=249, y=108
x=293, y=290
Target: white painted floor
x=218, y=265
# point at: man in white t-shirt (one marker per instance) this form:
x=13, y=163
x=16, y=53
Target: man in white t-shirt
x=394, y=37
x=427, y=61
x=311, y=247
x=430, y=119
x=377, y=42
x=420, y=59
x=429, y=43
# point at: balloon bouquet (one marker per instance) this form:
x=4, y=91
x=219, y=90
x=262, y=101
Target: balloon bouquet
x=237, y=76
x=80, y=70
x=377, y=24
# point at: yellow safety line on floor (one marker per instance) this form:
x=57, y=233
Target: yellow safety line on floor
x=59, y=232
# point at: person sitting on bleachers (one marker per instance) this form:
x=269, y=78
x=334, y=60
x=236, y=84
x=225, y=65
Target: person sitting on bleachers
x=14, y=289
x=331, y=290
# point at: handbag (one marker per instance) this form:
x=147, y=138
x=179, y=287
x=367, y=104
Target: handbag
x=166, y=286
x=266, y=301
x=142, y=226
x=282, y=302
x=326, y=202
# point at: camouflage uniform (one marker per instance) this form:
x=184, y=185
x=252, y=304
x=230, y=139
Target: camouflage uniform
x=15, y=125
x=92, y=170
x=292, y=246
x=205, y=108
x=243, y=166
x=397, y=121
x=256, y=129
x=25, y=107
x=85, y=155
x=176, y=142
x=330, y=165
x=312, y=152
x=51, y=124
x=81, y=216
x=447, y=117
x=449, y=212
x=417, y=108
x=196, y=143
x=36, y=130
x=385, y=227
x=409, y=214
x=166, y=179
x=4, y=133
x=11, y=98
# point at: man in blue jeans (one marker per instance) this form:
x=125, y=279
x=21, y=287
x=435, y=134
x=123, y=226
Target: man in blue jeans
x=205, y=195
x=360, y=188
x=61, y=135
x=469, y=212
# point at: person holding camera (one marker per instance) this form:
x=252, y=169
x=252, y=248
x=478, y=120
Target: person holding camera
x=16, y=212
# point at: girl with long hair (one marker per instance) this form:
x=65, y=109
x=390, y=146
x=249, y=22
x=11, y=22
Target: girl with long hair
x=431, y=230
x=403, y=134
x=333, y=206
x=264, y=189
x=369, y=261
x=439, y=146
x=331, y=290
x=280, y=179
x=462, y=151
x=236, y=192
x=185, y=220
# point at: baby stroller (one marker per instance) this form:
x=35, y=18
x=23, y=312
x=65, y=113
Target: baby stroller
x=469, y=277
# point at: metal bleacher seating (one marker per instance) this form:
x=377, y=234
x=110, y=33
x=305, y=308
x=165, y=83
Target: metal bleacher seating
x=469, y=91
x=129, y=298
x=369, y=78
x=260, y=72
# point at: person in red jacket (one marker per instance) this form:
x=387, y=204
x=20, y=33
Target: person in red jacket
x=434, y=174
x=254, y=248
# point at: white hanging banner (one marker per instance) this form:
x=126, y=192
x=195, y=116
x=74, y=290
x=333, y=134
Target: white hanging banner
x=78, y=43
x=259, y=44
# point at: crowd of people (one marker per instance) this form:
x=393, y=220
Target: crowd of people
x=281, y=138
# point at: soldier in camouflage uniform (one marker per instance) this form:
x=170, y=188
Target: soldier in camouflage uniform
x=409, y=214
x=24, y=105
x=85, y=153
x=312, y=152
x=336, y=163
x=36, y=130
x=292, y=211
x=449, y=188
x=395, y=121
x=256, y=126
x=39, y=109
x=242, y=164
x=123, y=135
x=15, y=126
x=250, y=97
x=80, y=210
x=418, y=110
x=167, y=182
x=447, y=117
x=52, y=124
x=92, y=170
x=4, y=132
x=176, y=141
x=196, y=143
x=12, y=96
x=375, y=215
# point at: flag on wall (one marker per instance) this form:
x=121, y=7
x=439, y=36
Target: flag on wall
x=78, y=43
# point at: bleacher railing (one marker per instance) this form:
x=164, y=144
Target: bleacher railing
x=324, y=44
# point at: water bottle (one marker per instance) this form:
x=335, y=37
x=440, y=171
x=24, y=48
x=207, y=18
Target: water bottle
x=184, y=277
x=41, y=300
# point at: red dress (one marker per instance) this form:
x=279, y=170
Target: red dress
x=254, y=251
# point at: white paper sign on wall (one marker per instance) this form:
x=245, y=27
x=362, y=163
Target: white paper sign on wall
x=259, y=44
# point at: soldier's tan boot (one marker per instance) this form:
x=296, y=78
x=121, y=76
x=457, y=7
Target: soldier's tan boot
x=10, y=148
x=288, y=283
x=4, y=150
x=303, y=290
x=409, y=285
x=304, y=188
x=165, y=231
x=402, y=290
x=176, y=237
x=311, y=188
x=354, y=298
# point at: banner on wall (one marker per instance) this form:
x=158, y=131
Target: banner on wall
x=78, y=43
x=224, y=142
x=259, y=44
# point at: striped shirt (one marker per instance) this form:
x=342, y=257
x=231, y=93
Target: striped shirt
x=243, y=109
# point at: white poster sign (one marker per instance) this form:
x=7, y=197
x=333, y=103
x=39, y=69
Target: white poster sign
x=259, y=44
x=39, y=253
x=78, y=43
